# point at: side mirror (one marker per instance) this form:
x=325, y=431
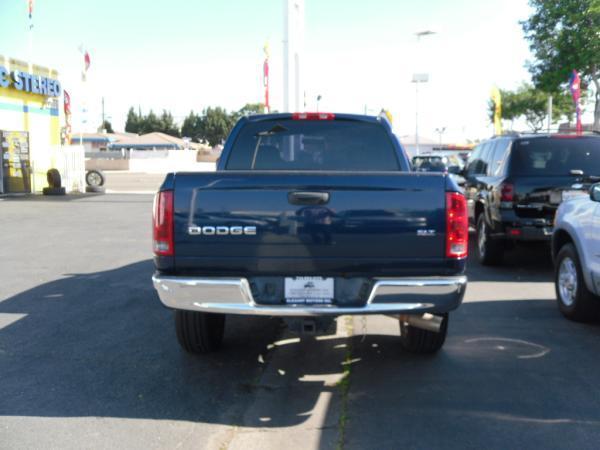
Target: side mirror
x=455, y=170
x=595, y=192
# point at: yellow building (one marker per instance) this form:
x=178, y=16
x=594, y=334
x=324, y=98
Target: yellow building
x=30, y=124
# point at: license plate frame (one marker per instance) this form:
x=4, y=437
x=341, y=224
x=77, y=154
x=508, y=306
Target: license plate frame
x=309, y=290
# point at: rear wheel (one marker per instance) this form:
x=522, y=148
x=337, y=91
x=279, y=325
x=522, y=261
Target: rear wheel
x=417, y=340
x=489, y=251
x=199, y=332
x=575, y=301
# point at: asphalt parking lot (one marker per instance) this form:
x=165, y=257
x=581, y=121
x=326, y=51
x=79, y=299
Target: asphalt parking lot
x=89, y=359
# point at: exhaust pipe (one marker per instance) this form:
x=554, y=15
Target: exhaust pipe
x=427, y=321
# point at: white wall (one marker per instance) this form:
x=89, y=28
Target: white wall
x=164, y=161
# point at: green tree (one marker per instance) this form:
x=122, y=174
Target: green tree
x=191, y=127
x=106, y=125
x=167, y=124
x=563, y=36
x=215, y=125
x=532, y=104
x=150, y=123
x=247, y=110
x=133, y=122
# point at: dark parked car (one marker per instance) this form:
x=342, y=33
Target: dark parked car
x=442, y=163
x=515, y=183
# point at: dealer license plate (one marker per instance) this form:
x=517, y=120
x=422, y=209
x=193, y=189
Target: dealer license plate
x=309, y=291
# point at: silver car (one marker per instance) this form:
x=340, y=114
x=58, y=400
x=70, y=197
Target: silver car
x=576, y=252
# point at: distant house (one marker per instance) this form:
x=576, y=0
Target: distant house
x=153, y=141
x=97, y=142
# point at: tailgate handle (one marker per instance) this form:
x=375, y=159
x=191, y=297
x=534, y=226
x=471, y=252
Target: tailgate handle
x=308, y=198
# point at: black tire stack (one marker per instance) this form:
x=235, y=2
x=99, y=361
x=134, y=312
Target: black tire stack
x=54, y=183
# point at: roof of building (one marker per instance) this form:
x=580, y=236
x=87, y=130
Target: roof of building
x=99, y=137
x=155, y=140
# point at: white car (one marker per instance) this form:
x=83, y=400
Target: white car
x=576, y=252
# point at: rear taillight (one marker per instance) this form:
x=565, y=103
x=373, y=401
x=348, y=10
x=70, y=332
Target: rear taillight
x=457, y=226
x=507, y=193
x=162, y=224
x=313, y=116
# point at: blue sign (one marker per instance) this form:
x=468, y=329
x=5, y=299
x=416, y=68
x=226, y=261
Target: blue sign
x=28, y=82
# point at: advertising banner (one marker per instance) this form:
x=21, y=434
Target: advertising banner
x=16, y=165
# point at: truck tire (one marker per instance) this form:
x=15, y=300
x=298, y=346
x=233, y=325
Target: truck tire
x=489, y=251
x=417, y=340
x=94, y=178
x=574, y=299
x=199, y=332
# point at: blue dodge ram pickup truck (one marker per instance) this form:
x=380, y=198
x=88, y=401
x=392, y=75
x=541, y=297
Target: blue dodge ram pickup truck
x=310, y=216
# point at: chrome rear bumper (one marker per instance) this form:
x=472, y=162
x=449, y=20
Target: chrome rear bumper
x=388, y=296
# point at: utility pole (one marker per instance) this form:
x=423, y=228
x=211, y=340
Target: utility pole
x=102, y=126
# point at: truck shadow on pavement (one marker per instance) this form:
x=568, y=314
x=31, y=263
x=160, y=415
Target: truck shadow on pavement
x=101, y=345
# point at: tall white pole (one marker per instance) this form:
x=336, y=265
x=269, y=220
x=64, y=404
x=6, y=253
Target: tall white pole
x=286, y=56
x=293, y=49
x=417, y=117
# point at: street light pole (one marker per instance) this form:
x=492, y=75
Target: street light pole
x=419, y=78
x=440, y=131
x=417, y=117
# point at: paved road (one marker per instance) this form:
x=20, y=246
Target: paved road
x=88, y=357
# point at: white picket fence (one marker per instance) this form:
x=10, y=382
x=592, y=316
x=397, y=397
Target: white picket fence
x=70, y=162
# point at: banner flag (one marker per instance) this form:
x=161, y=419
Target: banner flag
x=266, y=77
x=497, y=100
x=30, y=9
x=575, y=87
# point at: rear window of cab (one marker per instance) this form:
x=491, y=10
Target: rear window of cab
x=319, y=145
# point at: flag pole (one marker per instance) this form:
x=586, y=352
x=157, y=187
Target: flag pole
x=30, y=35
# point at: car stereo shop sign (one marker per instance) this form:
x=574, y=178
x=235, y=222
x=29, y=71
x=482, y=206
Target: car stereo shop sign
x=27, y=82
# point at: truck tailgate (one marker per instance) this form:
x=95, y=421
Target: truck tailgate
x=305, y=223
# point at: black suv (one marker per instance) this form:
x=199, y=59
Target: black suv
x=514, y=184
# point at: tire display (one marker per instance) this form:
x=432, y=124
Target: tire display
x=94, y=178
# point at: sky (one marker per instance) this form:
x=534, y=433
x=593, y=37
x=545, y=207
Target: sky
x=184, y=55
